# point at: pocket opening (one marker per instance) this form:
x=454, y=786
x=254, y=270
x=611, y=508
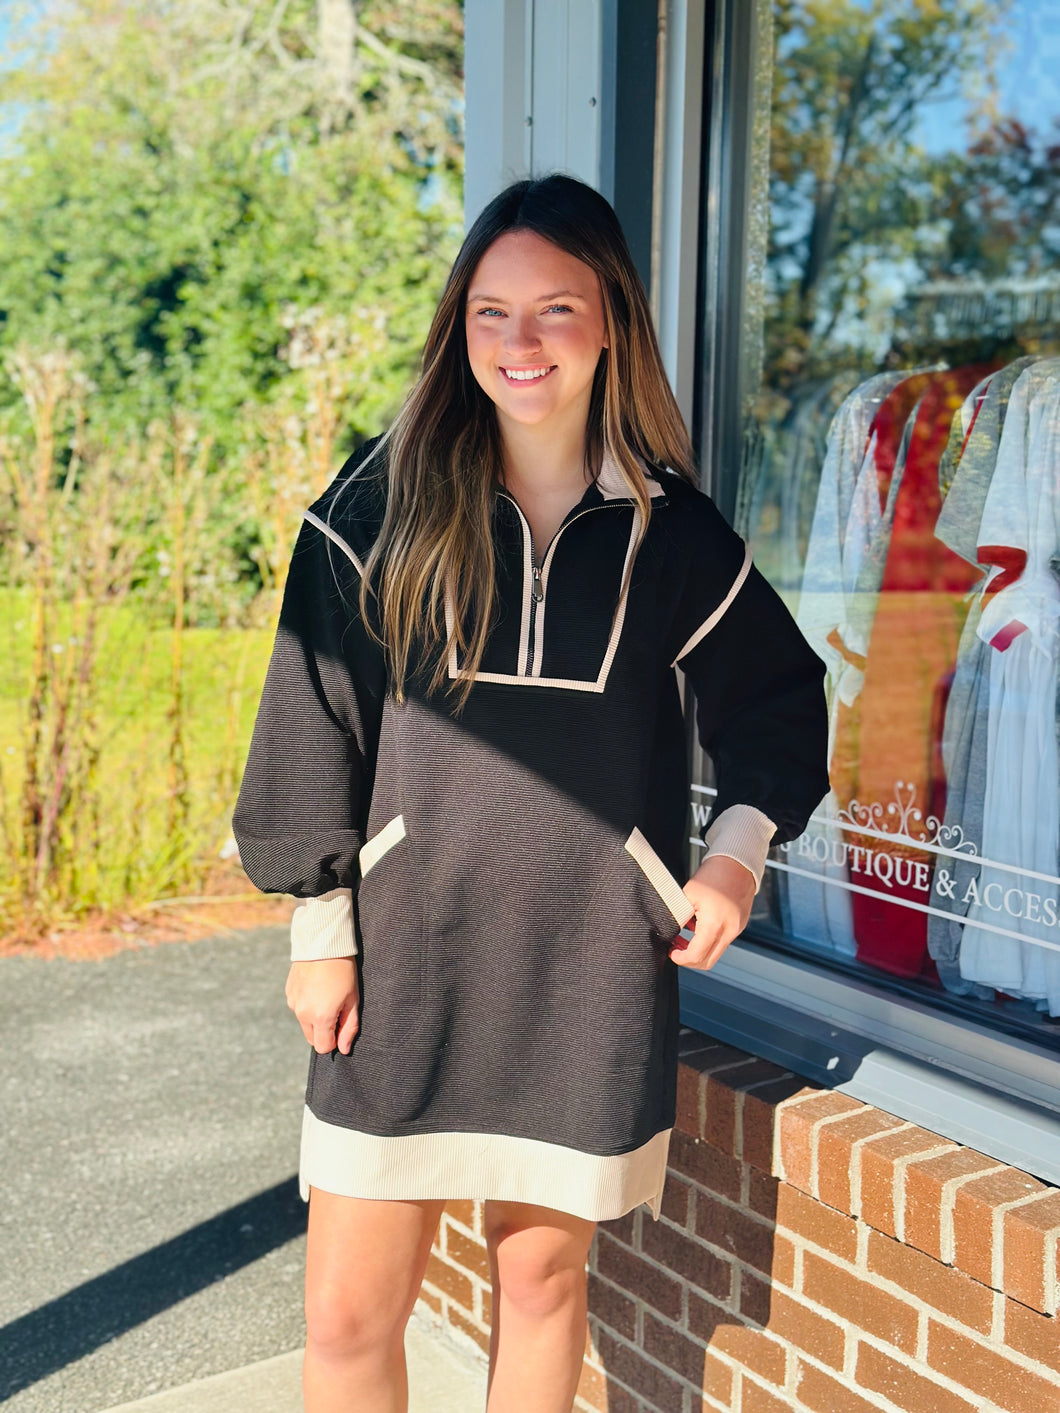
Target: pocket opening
x=373, y=849
x=660, y=877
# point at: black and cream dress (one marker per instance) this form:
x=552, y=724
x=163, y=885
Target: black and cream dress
x=509, y=877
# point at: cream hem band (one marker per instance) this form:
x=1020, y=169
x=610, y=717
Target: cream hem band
x=419, y=1166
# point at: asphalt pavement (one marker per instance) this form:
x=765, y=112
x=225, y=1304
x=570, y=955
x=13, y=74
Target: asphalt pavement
x=151, y=1232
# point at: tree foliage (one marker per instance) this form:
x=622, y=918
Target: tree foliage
x=185, y=173
x=870, y=192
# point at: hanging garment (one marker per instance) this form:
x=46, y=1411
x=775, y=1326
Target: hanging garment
x=835, y=608
x=964, y=480
x=1011, y=941
x=913, y=646
x=780, y=478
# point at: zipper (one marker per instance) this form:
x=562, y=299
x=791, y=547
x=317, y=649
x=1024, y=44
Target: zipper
x=539, y=576
x=537, y=595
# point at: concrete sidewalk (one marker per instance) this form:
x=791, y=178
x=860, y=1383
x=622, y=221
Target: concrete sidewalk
x=442, y=1379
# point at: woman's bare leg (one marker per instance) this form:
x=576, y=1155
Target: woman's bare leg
x=365, y=1260
x=537, y=1258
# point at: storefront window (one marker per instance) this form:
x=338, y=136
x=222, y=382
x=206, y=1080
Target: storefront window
x=899, y=478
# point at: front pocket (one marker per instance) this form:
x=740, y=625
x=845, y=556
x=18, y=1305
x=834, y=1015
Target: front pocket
x=629, y=990
x=660, y=878
x=392, y=939
x=380, y=844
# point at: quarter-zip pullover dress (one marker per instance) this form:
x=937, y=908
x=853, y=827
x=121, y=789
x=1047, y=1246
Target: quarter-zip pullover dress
x=508, y=876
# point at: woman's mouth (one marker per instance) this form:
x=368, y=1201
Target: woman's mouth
x=527, y=375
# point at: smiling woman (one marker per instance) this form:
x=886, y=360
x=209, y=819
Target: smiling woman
x=472, y=731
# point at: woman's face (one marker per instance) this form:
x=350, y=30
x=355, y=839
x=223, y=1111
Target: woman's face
x=535, y=328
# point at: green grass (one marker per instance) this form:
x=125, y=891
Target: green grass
x=118, y=837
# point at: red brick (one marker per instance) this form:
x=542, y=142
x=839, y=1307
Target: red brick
x=823, y=1394
x=687, y=1258
x=859, y=1301
x=636, y=1373
x=1035, y=1335
x=620, y=1228
x=879, y=1161
x=592, y=1386
x=461, y=1323
x=797, y=1122
x=723, y=1085
x=487, y=1304
x=466, y=1252
x=753, y=1349
x=989, y=1374
x=816, y=1223
x=926, y=1226
x=607, y=1303
x=1029, y=1253
x=756, y=1399
x=639, y=1278
x=674, y=1349
x=620, y=1401
x=675, y=1200
x=942, y=1287
x=878, y=1373
x=734, y=1231
x=758, y=1121
x=450, y=1281
x=755, y=1299
x=720, y=1172
x=754, y=1293
x=762, y=1193
x=835, y=1152
x=704, y=1316
x=464, y=1211
x=696, y=1042
x=717, y=1378
x=715, y=1056
x=973, y=1217
x=690, y=1106
x=815, y=1335
x=434, y=1301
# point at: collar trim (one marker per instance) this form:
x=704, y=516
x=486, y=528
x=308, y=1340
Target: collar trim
x=611, y=483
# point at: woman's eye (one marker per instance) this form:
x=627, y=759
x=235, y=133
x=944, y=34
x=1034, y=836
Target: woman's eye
x=564, y=308
x=488, y=311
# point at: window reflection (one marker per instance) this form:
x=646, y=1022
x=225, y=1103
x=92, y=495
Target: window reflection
x=901, y=475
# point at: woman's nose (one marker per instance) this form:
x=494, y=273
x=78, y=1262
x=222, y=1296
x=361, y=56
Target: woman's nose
x=521, y=334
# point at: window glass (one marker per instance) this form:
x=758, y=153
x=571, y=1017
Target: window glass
x=900, y=477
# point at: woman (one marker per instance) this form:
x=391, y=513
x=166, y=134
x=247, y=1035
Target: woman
x=471, y=737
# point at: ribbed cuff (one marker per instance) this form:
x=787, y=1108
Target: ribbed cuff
x=323, y=927
x=742, y=833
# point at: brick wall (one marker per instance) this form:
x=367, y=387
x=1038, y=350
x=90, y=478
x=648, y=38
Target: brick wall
x=814, y=1253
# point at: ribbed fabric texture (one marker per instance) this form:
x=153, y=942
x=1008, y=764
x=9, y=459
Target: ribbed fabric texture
x=742, y=833
x=474, y=1165
x=323, y=927
x=519, y=1010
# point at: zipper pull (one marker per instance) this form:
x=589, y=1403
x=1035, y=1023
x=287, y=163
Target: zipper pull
x=538, y=591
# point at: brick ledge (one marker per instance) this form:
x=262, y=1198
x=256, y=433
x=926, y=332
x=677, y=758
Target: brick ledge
x=998, y=1225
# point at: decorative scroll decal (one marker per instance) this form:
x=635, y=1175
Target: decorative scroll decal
x=932, y=833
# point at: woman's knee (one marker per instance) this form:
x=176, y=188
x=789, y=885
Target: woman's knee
x=344, y=1322
x=541, y=1270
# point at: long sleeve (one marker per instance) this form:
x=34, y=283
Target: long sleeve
x=761, y=712
x=300, y=817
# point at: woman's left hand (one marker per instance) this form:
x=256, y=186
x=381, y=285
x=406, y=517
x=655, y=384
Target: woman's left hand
x=721, y=891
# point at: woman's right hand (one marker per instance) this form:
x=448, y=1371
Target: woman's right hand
x=324, y=995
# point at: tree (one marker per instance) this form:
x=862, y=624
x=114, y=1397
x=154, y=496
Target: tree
x=853, y=190
x=183, y=173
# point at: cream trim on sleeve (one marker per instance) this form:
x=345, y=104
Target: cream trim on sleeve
x=323, y=927
x=742, y=832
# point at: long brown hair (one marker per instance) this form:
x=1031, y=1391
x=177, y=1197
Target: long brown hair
x=443, y=451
